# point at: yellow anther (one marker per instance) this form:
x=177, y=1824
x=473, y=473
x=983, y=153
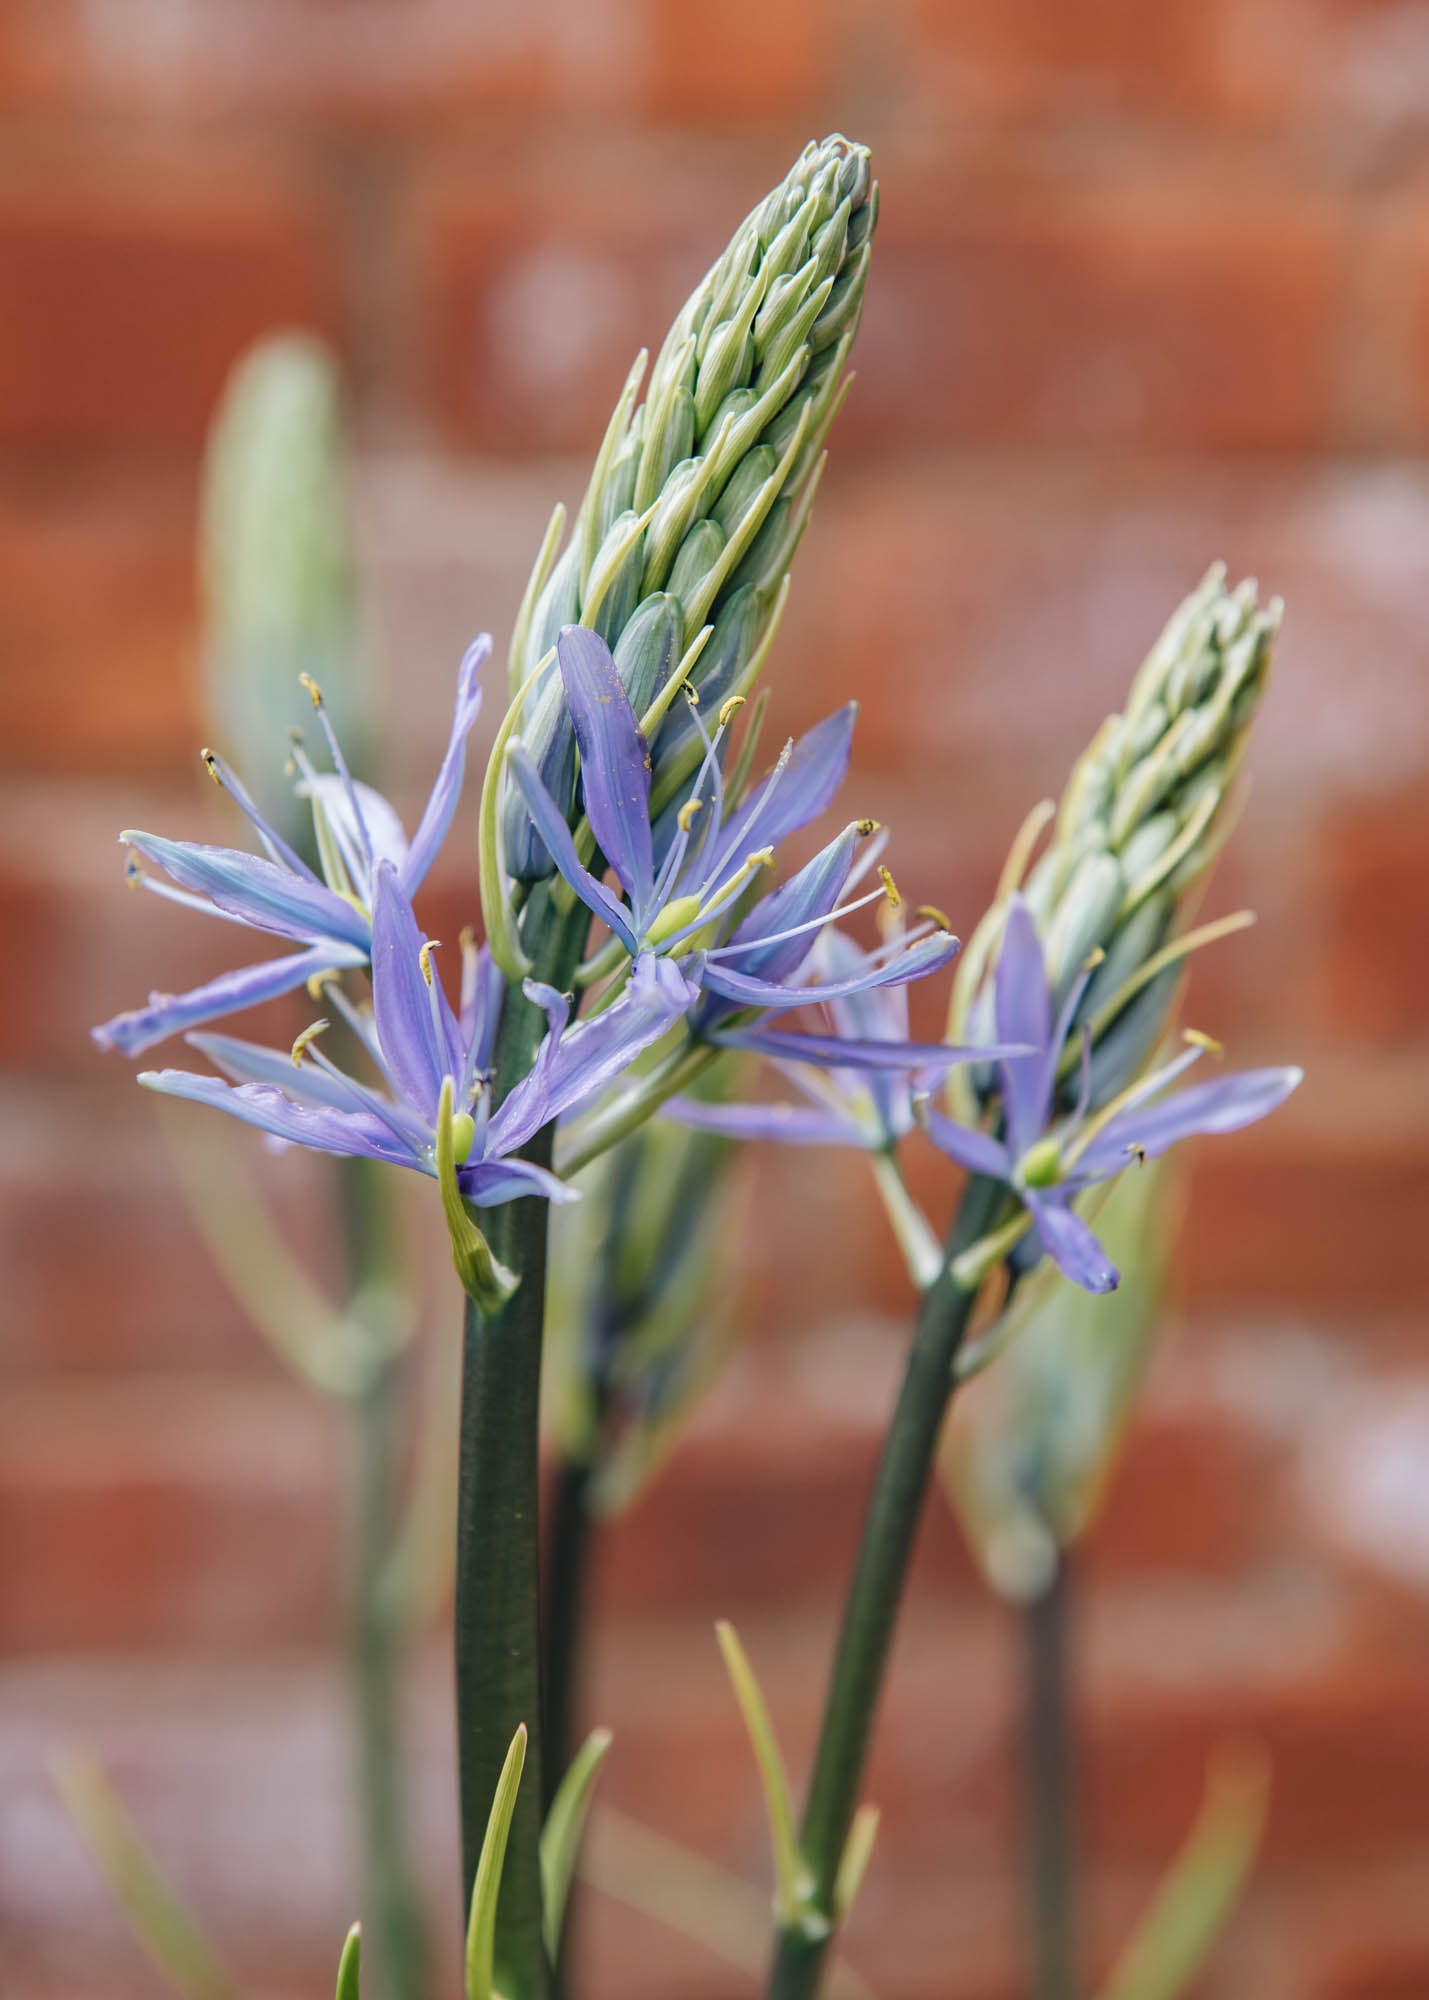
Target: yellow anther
x=762, y=857
x=308, y=1035
x=866, y=826
x=729, y=707
x=1095, y=957
x=317, y=983
x=424, y=957
x=1199, y=1041
x=686, y=815
x=934, y=916
x=1137, y=1153
x=691, y=694
x=314, y=692
x=210, y=764
x=890, y=887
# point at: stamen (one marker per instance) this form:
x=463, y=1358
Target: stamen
x=729, y=708
x=798, y=930
x=339, y=764
x=1199, y=1041
x=274, y=845
x=866, y=826
x=890, y=887
x=685, y=817
x=939, y=919
x=424, y=957
x=308, y=1036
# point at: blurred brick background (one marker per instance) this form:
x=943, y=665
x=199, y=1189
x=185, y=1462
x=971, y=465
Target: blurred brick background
x=1152, y=286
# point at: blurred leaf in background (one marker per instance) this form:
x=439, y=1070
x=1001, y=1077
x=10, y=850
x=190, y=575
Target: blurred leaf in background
x=276, y=567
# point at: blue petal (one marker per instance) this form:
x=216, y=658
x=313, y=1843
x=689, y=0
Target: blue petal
x=324, y=1130
x=588, y=1056
x=615, y=759
x=482, y=988
x=811, y=894
x=442, y=803
x=255, y=890
x=857, y=1052
x=791, y=795
x=417, y=1031
x=1071, y=1245
x=562, y=849
x=975, y=1150
x=788, y=1124
x=1022, y=1012
x=928, y=955
x=1222, y=1106
x=341, y=800
x=169, y=1013
x=491, y=1182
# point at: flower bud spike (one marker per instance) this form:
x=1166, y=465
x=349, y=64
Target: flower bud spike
x=485, y=1280
x=305, y=1039
x=561, y=1835
x=349, y=1966
x=793, y=1882
x=587, y=527
x=481, y=1926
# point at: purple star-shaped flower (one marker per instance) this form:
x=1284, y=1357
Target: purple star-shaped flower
x=421, y=1046
x=1049, y=1160
x=329, y=916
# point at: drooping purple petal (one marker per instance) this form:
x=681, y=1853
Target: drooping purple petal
x=169, y=1013
x=1022, y=1012
x=977, y=1151
x=1071, y=1244
x=594, y=1052
x=1224, y=1105
x=490, y=1182
x=442, y=801
x=418, y=1033
x=929, y=954
x=551, y=826
x=327, y=1131
x=615, y=759
x=482, y=987
x=807, y=896
x=252, y=1062
x=788, y=1124
x=857, y=1052
x=253, y=889
x=788, y=798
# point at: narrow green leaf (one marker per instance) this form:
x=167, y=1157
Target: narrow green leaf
x=349, y=1964
x=561, y=1835
x=1201, y=1888
x=791, y=1874
x=168, y=1932
x=481, y=1930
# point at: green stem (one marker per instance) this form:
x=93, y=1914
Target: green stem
x=394, y=1928
x=890, y=1527
x=567, y=1578
x=497, y=1617
x=568, y=1557
x=1049, y=1790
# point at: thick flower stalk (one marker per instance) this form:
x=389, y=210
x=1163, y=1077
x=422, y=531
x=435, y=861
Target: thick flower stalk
x=1080, y=967
x=680, y=553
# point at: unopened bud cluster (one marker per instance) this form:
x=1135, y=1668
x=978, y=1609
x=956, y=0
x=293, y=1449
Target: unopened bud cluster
x=701, y=492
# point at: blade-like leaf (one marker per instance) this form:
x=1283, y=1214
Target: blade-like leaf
x=481, y=1929
x=349, y=1965
x=1201, y=1888
x=561, y=1835
x=791, y=1874
x=168, y=1932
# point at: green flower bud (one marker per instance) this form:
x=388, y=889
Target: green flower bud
x=1142, y=818
x=700, y=493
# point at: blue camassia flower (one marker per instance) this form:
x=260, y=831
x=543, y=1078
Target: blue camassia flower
x=679, y=906
x=435, y=1063
x=329, y=916
x=1047, y=1159
x=858, y=1083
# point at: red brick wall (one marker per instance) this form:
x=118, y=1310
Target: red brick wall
x=1152, y=286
